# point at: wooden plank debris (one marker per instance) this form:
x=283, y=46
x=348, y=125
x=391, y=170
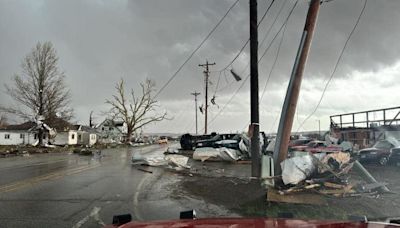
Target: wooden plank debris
x=297, y=198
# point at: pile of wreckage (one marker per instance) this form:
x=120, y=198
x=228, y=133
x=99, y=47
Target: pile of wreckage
x=234, y=149
x=326, y=174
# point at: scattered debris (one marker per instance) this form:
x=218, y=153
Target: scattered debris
x=216, y=154
x=172, y=160
x=172, y=151
x=138, y=159
x=297, y=169
x=178, y=160
x=143, y=170
x=326, y=174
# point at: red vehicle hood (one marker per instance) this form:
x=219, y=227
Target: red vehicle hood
x=253, y=222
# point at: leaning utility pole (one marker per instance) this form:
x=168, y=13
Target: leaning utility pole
x=293, y=90
x=206, y=76
x=254, y=111
x=195, y=94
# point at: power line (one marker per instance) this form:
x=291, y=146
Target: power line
x=248, y=40
x=195, y=50
x=273, y=23
x=247, y=77
x=261, y=43
x=269, y=30
x=273, y=65
x=336, y=65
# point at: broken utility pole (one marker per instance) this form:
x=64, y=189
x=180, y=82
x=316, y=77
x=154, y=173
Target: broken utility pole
x=254, y=111
x=206, y=75
x=195, y=94
x=292, y=94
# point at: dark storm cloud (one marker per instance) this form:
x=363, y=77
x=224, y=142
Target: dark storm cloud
x=99, y=42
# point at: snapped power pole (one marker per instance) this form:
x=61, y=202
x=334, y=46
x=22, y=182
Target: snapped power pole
x=293, y=90
x=206, y=76
x=195, y=94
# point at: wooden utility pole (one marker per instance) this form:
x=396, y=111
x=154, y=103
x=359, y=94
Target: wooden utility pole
x=292, y=94
x=195, y=94
x=206, y=76
x=91, y=119
x=254, y=109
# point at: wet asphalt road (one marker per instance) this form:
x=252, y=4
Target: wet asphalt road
x=68, y=190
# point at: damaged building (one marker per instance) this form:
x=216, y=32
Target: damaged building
x=366, y=127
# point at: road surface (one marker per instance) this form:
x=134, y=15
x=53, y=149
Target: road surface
x=68, y=190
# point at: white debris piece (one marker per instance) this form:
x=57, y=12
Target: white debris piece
x=243, y=147
x=172, y=150
x=297, y=169
x=271, y=146
x=228, y=154
x=178, y=160
x=219, y=154
x=158, y=160
x=205, y=153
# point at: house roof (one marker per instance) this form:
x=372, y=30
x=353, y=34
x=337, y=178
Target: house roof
x=88, y=129
x=111, y=123
x=61, y=125
x=20, y=127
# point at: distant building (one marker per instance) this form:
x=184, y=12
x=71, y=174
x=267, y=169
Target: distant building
x=20, y=134
x=366, y=127
x=111, y=131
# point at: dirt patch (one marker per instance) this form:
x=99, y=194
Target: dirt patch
x=248, y=199
x=241, y=196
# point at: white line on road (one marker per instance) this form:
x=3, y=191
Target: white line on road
x=136, y=199
x=95, y=214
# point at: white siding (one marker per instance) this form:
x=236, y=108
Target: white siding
x=61, y=138
x=72, y=138
x=16, y=138
x=92, y=139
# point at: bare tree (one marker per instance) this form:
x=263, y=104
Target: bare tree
x=40, y=88
x=136, y=111
x=3, y=120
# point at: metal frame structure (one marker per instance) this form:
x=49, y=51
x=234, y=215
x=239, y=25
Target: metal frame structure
x=369, y=129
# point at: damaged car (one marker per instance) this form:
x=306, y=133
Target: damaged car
x=212, y=142
x=317, y=147
x=380, y=152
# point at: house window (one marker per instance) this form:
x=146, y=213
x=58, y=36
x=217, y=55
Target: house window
x=102, y=128
x=35, y=136
x=7, y=136
x=21, y=136
x=79, y=137
x=73, y=136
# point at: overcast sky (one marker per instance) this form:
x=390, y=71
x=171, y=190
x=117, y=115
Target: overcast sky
x=99, y=42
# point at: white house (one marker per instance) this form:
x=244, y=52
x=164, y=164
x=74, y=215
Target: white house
x=67, y=134
x=87, y=135
x=20, y=134
x=111, y=131
x=67, y=137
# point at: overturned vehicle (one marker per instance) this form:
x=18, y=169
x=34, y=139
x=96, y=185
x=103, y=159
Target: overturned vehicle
x=233, y=149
